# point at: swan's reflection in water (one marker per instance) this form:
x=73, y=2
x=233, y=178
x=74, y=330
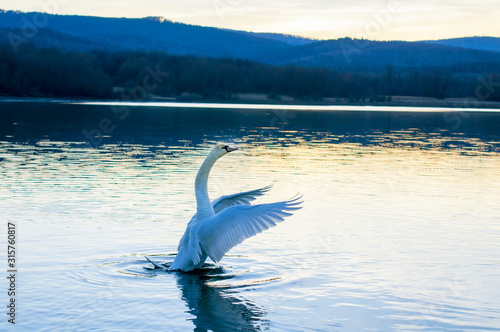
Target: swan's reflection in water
x=215, y=307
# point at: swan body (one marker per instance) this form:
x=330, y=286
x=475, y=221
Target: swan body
x=221, y=224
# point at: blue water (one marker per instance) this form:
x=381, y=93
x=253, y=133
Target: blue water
x=400, y=229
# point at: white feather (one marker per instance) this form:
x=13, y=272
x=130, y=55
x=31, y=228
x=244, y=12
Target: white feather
x=220, y=225
x=220, y=233
x=242, y=198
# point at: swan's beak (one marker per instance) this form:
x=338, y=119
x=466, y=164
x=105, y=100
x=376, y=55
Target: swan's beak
x=232, y=148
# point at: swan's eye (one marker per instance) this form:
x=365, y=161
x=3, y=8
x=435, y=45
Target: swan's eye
x=226, y=148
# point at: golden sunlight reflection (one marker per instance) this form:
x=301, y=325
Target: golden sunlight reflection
x=389, y=220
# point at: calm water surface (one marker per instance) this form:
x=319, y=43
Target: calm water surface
x=400, y=229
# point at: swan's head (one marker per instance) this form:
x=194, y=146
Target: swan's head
x=222, y=149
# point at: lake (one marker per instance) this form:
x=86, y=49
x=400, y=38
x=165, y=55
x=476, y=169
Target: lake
x=399, y=231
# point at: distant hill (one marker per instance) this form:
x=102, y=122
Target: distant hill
x=148, y=34
x=288, y=39
x=84, y=33
x=376, y=55
x=475, y=43
x=51, y=38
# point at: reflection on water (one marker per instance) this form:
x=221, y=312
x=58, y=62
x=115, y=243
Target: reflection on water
x=214, y=308
x=399, y=229
x=212, y=301
x=180, y=127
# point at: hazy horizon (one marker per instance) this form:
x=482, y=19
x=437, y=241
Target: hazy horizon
x=374, y=20
x=265, y=32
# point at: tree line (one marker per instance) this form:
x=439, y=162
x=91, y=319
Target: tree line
x=53, y=72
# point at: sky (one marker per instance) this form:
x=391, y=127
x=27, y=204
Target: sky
x=320, y=19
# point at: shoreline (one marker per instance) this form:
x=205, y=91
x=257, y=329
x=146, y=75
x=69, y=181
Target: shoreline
x=258, y=101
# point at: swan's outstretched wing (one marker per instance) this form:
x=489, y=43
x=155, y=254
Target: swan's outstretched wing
x=243, y=198
x=219, y=233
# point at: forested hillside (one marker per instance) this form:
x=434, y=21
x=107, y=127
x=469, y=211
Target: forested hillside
x=86, y=33
x=48, y=72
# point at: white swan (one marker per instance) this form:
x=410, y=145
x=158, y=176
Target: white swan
x=220, y=225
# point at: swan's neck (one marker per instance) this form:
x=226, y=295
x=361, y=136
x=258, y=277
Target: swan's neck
x=204, y=207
